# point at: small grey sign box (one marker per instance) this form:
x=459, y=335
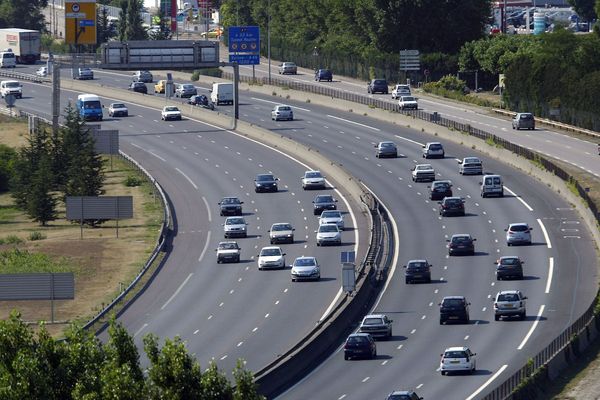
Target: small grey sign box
x=99, y=207
x=43, y=286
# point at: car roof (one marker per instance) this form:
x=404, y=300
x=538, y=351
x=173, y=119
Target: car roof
x=359, y=334
x=271, y=248
x=424, y=165
x=518, y=223
x=374, y=316
x=512, y=291
x=386, y=141
x=461, y=234
x=456, y=349
x=452, y=198
x=453, y=298
x=410, y=261
x=401, y=392
x=433, y=143
x=233, y=218
x=306, y=257
x=505, y=257
x=471, y=159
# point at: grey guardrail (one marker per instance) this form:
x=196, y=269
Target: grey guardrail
x=160, y=243
x=23, y=77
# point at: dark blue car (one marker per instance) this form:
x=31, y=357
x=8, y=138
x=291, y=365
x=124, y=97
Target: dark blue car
x=323, y=75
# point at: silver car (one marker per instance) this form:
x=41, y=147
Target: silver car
x=185, y=90
x=313, y=180
x=332, y=217
x=305, y=268
x=470, y=166
x=518, y=233
x=282, y=112
x=143, y=76
x=386, y=149
x=509, y=303
x=288, y=68
x=523, y=121
x=235, y=227
x=328, y=234
x=281, y=232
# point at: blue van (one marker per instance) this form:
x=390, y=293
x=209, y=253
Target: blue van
x=89, y=107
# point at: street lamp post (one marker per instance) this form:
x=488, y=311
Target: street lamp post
x=316, y=55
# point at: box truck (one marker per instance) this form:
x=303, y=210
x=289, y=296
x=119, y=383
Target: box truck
x=222, y=93
x=24, y=44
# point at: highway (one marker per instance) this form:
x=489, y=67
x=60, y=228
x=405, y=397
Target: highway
x=224, y=311
x=560, y=266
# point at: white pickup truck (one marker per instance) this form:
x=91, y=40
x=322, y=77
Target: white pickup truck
x=11, y=87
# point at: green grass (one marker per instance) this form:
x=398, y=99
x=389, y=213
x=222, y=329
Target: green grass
x=17, y=261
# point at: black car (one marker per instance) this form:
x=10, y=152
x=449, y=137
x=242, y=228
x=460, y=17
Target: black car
x=403, y=395
x=377, y=86
x=265, y=183
x=455, y=309
x=360, y=345
x=509, y=267
x=461, y=243
x=324, y=202
x=230, y=206
x=417, y=271
x=452, y=206
x=139, y=87
x=323, y=75
x=440, y=189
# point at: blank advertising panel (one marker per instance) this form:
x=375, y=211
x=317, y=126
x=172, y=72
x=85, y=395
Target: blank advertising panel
x=99, y=207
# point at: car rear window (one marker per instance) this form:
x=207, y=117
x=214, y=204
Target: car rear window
x=235, y=221
x=435, y=147
x=417, y=264
x=265, y=178
x=313, y=174
x=453, y=202
x=380, y=82
x=509, y=261
x=228, y=246
x=284, y=108
x=455, y=354
x=357, y=339
x=372, y=321
x=304, y=262
x=460, y=239
x=508, y=297
x=526, y=116
x=324, y=199
x=328, y=228
x=519, y=228
x=452, y=302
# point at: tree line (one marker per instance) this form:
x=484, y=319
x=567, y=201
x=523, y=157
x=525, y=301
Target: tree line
x=51, y=167
x=81, y=367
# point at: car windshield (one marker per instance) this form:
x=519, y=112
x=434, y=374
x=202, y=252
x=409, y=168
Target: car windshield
x=171, y=109
x=409, y=98
x=519, y=228
x=12, y=84
x=284, y=108
x=386, y=144
x=357, y=340
x=472, y=160
x=331, y=214
x=90, y=105
x=373, y=321
x=508, y=297
x=85, y=70
x=423, y=167
x=416, y=264
x=188, y=86
x=452, y=202
x=289, y=64
x=399, y=397
x=230, y=200
x=270, y=252
x=118, y=105
x=282, y=227
x=452, y=302
x=440, y=186
x=460, y=239
x=435, y=146
x=380, y=82
x=265, y=178
x=139, y=84
x=304, y=262
x=455, y=354
x=228, y=246
x=324, y=199
x=328, y=228
x=313, y=174
x=234, y=221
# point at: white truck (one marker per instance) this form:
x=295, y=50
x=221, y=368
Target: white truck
x=222, y=93
x=11, y=87
x=24, y=43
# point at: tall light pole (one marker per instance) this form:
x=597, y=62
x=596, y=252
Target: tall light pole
x=269, y=37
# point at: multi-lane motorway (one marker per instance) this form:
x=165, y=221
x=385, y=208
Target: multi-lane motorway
x=234, y=311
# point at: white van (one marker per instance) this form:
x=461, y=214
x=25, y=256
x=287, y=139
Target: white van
x=222, y=93
x=491, y=185
x=7, y=59
x=11, y=87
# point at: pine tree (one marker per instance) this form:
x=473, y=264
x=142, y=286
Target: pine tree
x=26, y=165
x=41, y=204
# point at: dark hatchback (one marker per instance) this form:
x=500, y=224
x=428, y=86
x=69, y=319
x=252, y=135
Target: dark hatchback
x=324, y=202
x=461, y=244
x=417, y=271
x=440, y=189
x=360, y=345
x=509, y=267
x=265, y=183
x=452, y=206
x=378, y=86
x=454, y=309
x=139, y=87
x=323, y=75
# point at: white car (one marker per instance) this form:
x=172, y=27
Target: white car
x=118, y=110
x=408, y=102
x=281, y=232
x=170, y=112
x=332, y=217
x=470, y=166
x=42, y=71
x=400, y=90
x=271, y=257
x=458, y=359
x=328, y=234
x=510, y=303
x=313, y=180
x=228, y=252
x=518, y=233
x=433, y=149
x=305, y=268
x=282, y=112
x=235, y=227
x=423, y=172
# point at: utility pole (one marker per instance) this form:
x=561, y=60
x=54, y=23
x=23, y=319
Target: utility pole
x=269, y=37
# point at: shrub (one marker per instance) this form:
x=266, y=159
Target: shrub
x=132, y=181
x=35, y=235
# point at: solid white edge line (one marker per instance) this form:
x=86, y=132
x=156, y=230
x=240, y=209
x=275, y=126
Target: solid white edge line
x=519, y=198
x=535, y=323
x=545, y=232
x=187, y=177
x=352, y=122
x=205, y=246
x=550, y=272
x=410, y=140
x=207, y=209
x=475, y=393
x=177, y=291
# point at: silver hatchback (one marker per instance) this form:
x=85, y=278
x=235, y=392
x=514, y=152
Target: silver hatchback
x=518, y=233
x=282, y=112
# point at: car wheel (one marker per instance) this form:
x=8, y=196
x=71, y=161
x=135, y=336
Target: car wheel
x=318, y=244
x=443, y=372
x=218, y=261
x=374, y=354
x=496, y=318
x=237, y=259
x=523, y=316
x=345, y=357
x=407, y=281
x=441, y=321
x=501, y=194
